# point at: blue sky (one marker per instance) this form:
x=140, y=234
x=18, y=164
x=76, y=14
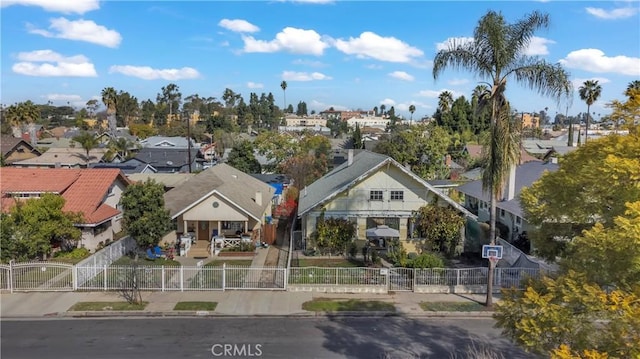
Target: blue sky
x=341, y=54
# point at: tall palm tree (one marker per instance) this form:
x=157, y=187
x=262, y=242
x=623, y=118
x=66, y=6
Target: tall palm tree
x=88, y=142
x=445, y=101
x=589, y=92
x=121, y=145
x=382, y=108
x=412, y=109
x=283, y=85
x=22, y=113
x=109, y=97
x=498, y=53
x=631, y=87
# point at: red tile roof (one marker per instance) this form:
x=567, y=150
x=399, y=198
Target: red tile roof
x=84, y=190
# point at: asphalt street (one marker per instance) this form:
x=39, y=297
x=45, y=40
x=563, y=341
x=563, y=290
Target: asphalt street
x=286, y=337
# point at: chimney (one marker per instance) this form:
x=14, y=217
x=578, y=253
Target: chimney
x=510, y=190
x=350, y=157
x=258, y=198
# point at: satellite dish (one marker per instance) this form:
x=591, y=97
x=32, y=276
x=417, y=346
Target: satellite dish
x=170, y=163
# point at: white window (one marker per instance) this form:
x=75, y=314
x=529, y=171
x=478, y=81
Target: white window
x=375, y=195
x=397, y=195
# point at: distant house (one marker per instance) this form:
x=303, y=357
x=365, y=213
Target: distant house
x=16, y=149
x=170, y=160
x=129, y=167
x=167, y=142
x=168, y=180
x=370, y=189
x=93, y=192
x=509, y=212
x=68, y=157
x=475, y=152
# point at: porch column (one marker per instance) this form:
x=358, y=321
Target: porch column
x=402, y=228
x=185, y=227
x=246, y=227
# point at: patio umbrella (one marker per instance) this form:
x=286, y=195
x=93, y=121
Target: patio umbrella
x=383, y=232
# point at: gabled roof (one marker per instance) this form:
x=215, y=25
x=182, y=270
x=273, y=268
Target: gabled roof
x=345, y=176
x=84, y=190
x=166, y=157
x=128, y=167
x=65, y=157
x=526, y=174
x=228, y=182
x=166, y=142
x=9, y=143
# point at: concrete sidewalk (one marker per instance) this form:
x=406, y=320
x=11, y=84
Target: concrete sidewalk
x=230, y=303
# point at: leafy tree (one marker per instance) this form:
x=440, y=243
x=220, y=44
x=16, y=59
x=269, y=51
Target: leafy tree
x=141, y=130
x=276, y=146
x=497, y=53
x=627, y=113
x=304, y=168
x=33, y=226
x=88, y=142
x=122, y=146
x=571, y=315
x=422, y=147
x=92, y=107
x=334, y=234
x=591, y=185
x=440, y=227
x=126, y=108
x=357, y=138
x=589, y=93
x=609, y=256
x=145, y=218
x=318, y=144
x=302, y=109
x=241, y=157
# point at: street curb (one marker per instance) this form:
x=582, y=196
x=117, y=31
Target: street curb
x=213, y=314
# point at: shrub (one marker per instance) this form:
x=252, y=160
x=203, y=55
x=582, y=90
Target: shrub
x=77, y=253
x=426, y=260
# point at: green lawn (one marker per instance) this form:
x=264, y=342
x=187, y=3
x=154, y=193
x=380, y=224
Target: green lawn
x=452, y=306
x=211, y=306
x=347, y=305
x=335, y=276
x=142, y=261
x=324, y=262
x=104, y=306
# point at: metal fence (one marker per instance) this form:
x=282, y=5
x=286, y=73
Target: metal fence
x=52, y=276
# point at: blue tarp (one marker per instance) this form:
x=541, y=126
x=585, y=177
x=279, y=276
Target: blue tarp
x=278, y=186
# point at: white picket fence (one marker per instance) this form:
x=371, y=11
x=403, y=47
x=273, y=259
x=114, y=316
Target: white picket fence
x=52, y=276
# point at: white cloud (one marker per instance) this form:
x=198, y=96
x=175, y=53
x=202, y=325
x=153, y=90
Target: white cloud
x=458, y=82
x=401, y=75
x=148, y=73
x=309, y=63
x=238, y=25
x=303, y=76
x=619, y=13
x=577, y=82
x=371, y=45
x=452, y=42
x=373, y=66
x=81, y=30
x=47, y=63
x=436, y=93
x=254, y=85
x=73, y=100
x=538, y=46
x=66, y=6
x=297, y=41
x=594, y=60
x=388, y=102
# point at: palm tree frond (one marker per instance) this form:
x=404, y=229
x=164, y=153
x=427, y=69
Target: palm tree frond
x=549, y=80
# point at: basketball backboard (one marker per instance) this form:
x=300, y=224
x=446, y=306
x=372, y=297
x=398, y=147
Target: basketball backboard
x=489, y=251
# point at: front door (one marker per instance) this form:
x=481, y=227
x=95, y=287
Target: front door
x=203, y=231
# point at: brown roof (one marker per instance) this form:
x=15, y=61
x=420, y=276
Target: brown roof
x=475, y=151
x=8, y=143
x=65, y=157
x=84, y=190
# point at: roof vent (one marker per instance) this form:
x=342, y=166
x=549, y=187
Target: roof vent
x=170, y=163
